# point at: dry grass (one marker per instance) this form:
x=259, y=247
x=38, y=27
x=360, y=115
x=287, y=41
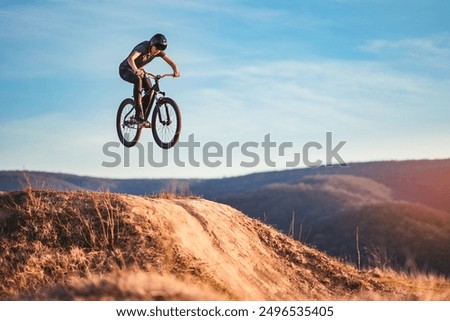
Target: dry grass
x=406, y=286
x=103, y=246
x=43, y=239
x=168, y=195
x=129, y=285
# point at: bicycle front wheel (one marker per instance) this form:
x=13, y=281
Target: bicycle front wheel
x=127, y=128
x=166, y=123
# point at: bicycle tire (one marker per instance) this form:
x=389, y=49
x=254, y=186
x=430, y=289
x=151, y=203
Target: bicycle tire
x=166, y=123
x=128, y=132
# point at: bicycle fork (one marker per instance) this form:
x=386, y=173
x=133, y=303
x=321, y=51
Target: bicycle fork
x=166, y=121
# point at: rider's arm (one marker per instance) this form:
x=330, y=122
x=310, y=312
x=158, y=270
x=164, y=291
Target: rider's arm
x=130, y=61
x=172, y=64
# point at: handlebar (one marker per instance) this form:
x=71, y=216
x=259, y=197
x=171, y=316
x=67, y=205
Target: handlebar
x=158, y=76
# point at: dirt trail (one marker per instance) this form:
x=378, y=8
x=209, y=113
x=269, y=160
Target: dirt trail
x=240, y=256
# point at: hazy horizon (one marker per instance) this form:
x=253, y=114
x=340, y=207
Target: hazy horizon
x=219, y=177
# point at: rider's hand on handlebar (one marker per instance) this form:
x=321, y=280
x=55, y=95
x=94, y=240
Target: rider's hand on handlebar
x=176, y=74
x=140, y=73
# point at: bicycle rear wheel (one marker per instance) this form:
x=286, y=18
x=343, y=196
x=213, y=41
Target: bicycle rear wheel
x=127, y=128
x=166, y=123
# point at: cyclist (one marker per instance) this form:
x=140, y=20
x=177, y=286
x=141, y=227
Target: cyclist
x=131, y=68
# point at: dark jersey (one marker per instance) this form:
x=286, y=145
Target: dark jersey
x=145, y=56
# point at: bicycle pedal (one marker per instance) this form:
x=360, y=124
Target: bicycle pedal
x=146, y=124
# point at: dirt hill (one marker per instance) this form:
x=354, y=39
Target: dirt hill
x=103, y=246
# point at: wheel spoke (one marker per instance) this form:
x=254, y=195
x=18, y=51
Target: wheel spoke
x=167, y=129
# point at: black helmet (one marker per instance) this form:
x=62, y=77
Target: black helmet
x=159, y=41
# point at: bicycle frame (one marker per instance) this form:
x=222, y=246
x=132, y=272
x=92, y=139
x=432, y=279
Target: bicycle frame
x=148, y=100
x=150, y=96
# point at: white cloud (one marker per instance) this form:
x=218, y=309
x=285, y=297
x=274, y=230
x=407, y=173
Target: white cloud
x=430, y=55
x=435, y=46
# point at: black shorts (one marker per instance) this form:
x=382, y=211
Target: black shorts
x=128, y=75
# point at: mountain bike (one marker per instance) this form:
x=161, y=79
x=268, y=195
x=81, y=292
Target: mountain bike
x=165, y=122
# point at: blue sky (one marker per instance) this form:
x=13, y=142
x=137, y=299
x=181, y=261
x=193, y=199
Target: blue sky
x=374, y=73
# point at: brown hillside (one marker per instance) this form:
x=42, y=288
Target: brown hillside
x=102, y=246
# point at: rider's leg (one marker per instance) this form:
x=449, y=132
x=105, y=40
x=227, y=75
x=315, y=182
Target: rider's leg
x=131, y=77
x=146, y=83
x=137, y=95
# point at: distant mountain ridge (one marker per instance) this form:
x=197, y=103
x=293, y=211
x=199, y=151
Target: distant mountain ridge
x=16, y=180
x=422, y=181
